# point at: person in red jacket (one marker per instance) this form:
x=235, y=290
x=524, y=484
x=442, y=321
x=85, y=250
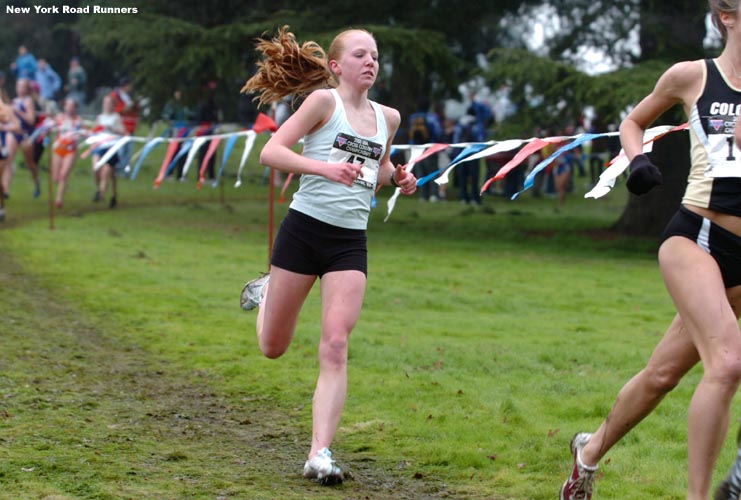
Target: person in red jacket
x=125, y=105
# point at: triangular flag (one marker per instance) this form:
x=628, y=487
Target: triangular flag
x=263, y=123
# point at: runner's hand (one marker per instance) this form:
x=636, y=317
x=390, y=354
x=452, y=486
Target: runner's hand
x=406, y=181
x=644, y=175
x=344, y=173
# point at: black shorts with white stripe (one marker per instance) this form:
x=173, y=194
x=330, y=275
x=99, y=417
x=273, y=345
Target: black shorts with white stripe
x=720, y=243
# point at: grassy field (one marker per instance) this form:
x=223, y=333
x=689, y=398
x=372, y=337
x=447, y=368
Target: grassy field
x=488, y=337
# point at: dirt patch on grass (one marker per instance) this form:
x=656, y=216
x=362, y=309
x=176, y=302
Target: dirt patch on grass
x=85, y=413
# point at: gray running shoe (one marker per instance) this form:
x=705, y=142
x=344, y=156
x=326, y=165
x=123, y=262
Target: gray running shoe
x=251, y=295
x=579, y=484
x=730, y=488
x=322, y=469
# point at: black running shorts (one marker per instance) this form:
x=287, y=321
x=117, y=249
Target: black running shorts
x=720, y=243
x=306, y=245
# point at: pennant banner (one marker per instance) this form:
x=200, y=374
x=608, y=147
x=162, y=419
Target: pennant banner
x=530, y=148
x=416, y=153
x=530, y=179
x=491, y=150
x=468, y=153
x=248, y=144
x=230, y=142
x=618, y=164
x=197, y=144
x=148, y=147
x=112, y=151
x=206, y=159
x=186, y=146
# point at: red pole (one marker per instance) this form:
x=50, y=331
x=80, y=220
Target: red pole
x=50, y=153
x=271, y=204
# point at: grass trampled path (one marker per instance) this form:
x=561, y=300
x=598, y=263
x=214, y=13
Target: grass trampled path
x=83, y=414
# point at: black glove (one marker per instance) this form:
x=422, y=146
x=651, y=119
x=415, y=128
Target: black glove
x=644, y=175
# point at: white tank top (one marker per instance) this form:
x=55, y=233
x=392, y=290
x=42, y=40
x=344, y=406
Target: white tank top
x=336, y=142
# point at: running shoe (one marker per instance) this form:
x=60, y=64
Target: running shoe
x=579, y=484
x=112, y=203
x=322, y=469
x=36, y=190
x=251, y=295
x=730, y=488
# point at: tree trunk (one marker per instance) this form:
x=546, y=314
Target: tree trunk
x=669, y=31
x=647, y=215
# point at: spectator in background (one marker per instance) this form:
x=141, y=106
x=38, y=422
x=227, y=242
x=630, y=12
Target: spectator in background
x=208, y=116
x=125, y=105
x=48, y=79
x=76, y=81
x=468, y=129
x=562, y=173
x=24, y=65
x=175, y=111
x=541, y=181
x=425, y=128
x=575, y=157
x=482, y=113
x=178, y=115
x=437, y=114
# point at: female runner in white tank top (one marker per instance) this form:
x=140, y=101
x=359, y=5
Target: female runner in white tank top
x=347, y=142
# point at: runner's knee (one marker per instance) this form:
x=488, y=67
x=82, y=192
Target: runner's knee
x=274, y=345
x=333, y=351
x=663, y=379
x=726, y=369
x=272, y=351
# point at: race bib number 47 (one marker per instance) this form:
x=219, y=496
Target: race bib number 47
x=351, y=149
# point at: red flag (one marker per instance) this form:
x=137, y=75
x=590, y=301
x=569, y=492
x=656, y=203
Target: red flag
x=263, y=123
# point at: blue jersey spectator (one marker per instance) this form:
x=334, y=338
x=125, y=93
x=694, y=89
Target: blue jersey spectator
x=24, y=65
x=425, y=128
x=468, y=130
x=482, y=113
x=49, y=81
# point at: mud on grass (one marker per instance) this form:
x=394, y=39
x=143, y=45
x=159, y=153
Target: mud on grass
x=84, y=414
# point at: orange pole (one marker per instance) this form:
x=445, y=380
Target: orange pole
x=271, y=204
x=50, y=152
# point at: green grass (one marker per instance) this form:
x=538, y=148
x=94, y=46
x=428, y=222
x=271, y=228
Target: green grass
x=487, y=338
